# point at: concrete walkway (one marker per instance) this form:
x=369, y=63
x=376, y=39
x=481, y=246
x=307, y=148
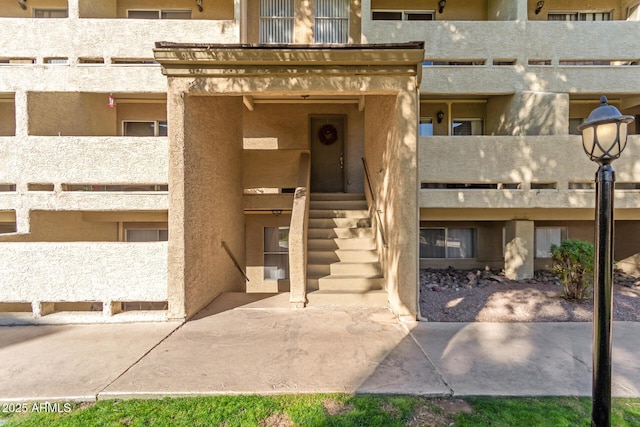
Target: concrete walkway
x=255, y=344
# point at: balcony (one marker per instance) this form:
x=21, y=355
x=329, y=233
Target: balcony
x=519, y=172
x=41, y=275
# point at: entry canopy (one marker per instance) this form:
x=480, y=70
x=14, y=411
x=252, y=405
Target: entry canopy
x=227, y=60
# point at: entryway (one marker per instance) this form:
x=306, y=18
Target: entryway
x=327, y=141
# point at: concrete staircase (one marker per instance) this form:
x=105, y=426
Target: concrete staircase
x=342, y=261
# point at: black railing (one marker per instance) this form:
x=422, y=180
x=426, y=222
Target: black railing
x=235, y=261
x=383, y=234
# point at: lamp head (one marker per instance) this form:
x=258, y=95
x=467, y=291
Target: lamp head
x=604, y=133
x=440, y=116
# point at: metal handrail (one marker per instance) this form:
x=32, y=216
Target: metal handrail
x=383, y=234
x=235, y=261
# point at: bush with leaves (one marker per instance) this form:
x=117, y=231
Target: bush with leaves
x=573, y=263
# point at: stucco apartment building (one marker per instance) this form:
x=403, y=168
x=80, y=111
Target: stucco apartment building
x=155, y=154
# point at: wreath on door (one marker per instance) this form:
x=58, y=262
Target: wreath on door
x=328, y=134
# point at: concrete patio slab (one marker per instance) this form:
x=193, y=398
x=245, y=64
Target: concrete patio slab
x=283, y=351
x=504, y=359
x=71, y=362
x=254, y=343
x=575, y=339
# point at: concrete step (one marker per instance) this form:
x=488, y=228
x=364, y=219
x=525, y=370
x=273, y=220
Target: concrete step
x=337, y=196
x=348, y=299
x=345, y=282
x=333, y=244
x=338, y=204
x=340, y=233
x=338, y=213
x=339, y=222
x=344, y=255
x=367, y=269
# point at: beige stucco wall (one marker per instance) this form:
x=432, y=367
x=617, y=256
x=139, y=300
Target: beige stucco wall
x=525, y=160
x=101, y=38
x=97, y=9
x=206, y=204
x=101, y=272
x=528, y=113
x=83, y=160
x=391, y=153
x=70, y=113
x=286, y=127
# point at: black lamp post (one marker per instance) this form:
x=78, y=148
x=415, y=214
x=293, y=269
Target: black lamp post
x=604, y=137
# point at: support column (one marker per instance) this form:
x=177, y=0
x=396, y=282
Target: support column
x=519, y=250
x=205, y=201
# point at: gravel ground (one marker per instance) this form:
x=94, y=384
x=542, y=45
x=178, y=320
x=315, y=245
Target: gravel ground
x=487, y=296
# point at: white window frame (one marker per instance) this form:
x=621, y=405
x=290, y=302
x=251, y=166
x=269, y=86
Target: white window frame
x=268, y=270
x=159, y=232
x=161, y=12
x=48, y=11
x=56, y=61
x=425, y=121
x=405, y=14
x=156, y=127
x=545, y=253
x=338, y=23
x=265, y=20
x=472, y=120
x=474, y=248
x=578, y=14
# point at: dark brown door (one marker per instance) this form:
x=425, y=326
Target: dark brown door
x=327, y=153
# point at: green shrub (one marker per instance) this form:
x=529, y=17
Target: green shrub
x=573, y=263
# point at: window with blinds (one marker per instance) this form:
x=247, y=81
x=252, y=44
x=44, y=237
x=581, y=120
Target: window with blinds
x=50, y=13
x=447, y=243
x=276, y=21
x=546, y=237
x=332, y=21
x=579, y=16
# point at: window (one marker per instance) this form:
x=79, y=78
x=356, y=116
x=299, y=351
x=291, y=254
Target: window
x=467, y=127
x=56, y=61
x=144, y=128
x=159, y=14
x=50, y=13
x=332, y=21
x=276, y=253
x=579, y=16
x=276, y=21
x=146, y=235
x=573, y=126
x=547, y=236
x=447, y=243
x=426, y=126
x=402, y=15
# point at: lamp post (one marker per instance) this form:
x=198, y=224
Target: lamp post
x=604, y=137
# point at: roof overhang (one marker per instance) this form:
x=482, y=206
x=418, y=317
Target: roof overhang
x=211, y=60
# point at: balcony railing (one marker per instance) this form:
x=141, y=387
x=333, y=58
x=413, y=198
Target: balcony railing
x=517, y=172
x=83, y=272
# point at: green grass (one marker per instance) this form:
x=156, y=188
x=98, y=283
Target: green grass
x=330, y=410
